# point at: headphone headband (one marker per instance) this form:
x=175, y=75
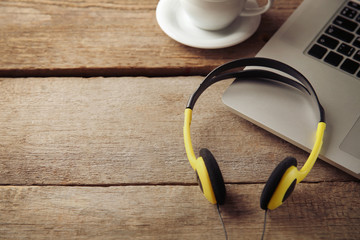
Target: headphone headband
x=224, y=72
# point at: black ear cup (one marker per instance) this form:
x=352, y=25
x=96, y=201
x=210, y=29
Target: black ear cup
x=274, y=180
x=216, y=178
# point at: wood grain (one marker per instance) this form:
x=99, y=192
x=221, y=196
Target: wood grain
x=109, y=38
x=103, y=158
x=121, y=131
x=315, y=211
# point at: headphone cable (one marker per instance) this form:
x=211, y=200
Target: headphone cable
x=222, y=221
x=263, y=234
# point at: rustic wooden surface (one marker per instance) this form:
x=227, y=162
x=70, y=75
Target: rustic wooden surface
x=103, y=158
x=108, y=38
x=175, y=212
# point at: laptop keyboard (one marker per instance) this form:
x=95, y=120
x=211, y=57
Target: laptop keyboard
x=339, y=43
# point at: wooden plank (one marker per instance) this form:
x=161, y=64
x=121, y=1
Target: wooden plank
x=109, y=38
x=120, y=131
x=314, y=211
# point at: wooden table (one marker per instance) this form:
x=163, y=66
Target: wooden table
x=92, y=95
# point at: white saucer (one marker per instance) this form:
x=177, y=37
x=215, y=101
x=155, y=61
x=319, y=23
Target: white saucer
x=175, y=23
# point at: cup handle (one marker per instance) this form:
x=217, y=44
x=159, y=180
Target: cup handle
x=248, y=12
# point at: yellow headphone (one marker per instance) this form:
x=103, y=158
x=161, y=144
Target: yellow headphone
x=285, y=176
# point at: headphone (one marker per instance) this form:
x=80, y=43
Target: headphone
x=285, y=176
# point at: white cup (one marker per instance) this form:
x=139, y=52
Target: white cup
x=218, y=14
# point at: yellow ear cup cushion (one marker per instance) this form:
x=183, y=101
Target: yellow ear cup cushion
x=274, y=180
x=216, y=178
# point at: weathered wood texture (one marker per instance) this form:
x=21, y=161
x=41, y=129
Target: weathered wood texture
x=92, y=37
x=116, y=131
x=103, y=158
x=315, y=211
x=108, y=158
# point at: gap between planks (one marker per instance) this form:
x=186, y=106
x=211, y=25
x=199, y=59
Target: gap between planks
x=175, y=184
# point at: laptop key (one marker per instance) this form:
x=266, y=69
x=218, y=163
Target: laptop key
x=345, y=23
x=357, y=56
x=340, y=34
x=350, y=66
x=348, y=12
x=346, y=49
x=317, y=51
x=328, y=41
x=333, y=58
x=356, y=43
x=354, y=5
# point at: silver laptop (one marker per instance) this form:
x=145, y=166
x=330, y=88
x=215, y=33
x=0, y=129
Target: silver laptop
x=321, y=39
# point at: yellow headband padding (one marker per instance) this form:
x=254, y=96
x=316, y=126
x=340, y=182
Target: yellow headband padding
x=187, y=138
x=197, y=164
x=314, y=152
